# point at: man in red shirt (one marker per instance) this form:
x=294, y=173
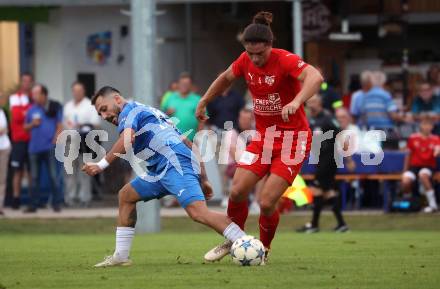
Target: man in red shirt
x=280, y=82
x=423, y=148
x=19, y=103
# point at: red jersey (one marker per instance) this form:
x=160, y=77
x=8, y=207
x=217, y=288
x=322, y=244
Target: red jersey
x=422, y=150
x=19, y=104
x=272, y=87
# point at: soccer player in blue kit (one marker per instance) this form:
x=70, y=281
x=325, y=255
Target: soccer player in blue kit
x=172, y=169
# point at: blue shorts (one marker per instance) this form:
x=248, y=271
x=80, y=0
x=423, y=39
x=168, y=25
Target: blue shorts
x=186, y=188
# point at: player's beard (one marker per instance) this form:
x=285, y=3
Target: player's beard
x=114, y=119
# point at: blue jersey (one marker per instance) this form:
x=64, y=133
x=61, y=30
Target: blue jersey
x=157, y=140
x=377, y=103
x=159, y=143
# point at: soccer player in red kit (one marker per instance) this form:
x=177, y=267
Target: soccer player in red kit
x=280, y=82
x=423, y=148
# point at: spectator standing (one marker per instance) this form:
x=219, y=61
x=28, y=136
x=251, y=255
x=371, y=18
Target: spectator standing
x=44, y=121
x=19, y=103
x=423, y=148
x=80, y=115
x=5, y=148
x=182, y=104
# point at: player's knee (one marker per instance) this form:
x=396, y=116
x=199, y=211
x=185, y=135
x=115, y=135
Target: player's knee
x=236, y=193
x=267, y=207
x=424, y=176
x=197, y=216
x=122, y=196
x=406, y=181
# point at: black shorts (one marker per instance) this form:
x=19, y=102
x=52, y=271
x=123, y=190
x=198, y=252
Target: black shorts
x=325, y=173
x=20, y=155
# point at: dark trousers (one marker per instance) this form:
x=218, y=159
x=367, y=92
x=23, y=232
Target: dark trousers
x=39, y=161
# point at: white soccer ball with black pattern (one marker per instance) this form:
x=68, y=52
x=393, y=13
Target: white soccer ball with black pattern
x=247, y=251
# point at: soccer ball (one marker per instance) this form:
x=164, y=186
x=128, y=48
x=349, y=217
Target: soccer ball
x=247, y=251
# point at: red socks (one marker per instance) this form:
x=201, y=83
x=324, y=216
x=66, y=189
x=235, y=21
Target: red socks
x=268, y=227
x=238, y=212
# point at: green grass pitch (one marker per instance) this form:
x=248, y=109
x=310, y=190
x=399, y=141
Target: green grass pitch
x=386, y=252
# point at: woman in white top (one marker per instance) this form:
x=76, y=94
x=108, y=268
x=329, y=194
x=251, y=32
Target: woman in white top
x=5, y=148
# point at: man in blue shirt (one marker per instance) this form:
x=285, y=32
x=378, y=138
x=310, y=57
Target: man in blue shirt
x=377, y=109
x=148, y=137
x=44, y=121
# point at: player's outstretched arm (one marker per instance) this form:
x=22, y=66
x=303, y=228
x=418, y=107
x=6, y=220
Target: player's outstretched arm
x=312, y=80
x=125, y=138
x=220, y=84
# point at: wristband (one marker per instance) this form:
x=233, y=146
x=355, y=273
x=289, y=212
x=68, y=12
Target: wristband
x=103, y=164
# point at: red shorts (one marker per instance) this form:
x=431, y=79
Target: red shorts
x=284, y=162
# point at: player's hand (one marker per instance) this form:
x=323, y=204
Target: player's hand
x=201, y=111
x=207, y=189
x=288, y=109
x=91, y=169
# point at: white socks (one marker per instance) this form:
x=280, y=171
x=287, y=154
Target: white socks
x=430, y=195
x=233, y=232
x=124, y=237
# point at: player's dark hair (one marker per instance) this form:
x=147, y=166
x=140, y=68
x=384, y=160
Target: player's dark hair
x=104, y=91
x=259, y=30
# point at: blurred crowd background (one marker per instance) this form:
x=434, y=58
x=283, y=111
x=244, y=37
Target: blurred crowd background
x=53, y=58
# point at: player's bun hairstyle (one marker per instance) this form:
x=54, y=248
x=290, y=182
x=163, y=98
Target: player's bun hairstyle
x=104, y=91
x=259, y=30
x=263, y=17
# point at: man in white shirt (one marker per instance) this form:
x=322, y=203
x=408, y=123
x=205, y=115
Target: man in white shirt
x=80, y=115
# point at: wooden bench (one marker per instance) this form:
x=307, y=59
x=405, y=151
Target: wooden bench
x=378, y=177
x=382, y=178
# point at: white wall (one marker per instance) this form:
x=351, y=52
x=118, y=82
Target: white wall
x=61, y=49
x=49, y=56
x=78, y=24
